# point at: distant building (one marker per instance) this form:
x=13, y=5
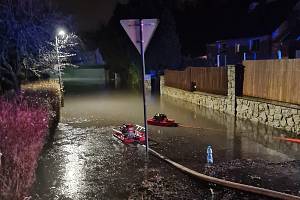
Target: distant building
x=200, y=61
x=234, y=51
x=284, y=42
x=89, y=58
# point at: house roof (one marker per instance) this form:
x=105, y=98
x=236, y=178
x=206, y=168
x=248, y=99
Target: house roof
x=269, y=19
x=265, y=18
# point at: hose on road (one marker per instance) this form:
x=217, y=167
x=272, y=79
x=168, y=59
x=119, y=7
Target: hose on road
x=229, y=184
x=294, y=140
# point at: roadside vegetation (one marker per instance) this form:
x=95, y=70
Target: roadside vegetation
x=133, y=76
x=48, y=95
x=26, y=120
x=29, y=111
x=23, y=129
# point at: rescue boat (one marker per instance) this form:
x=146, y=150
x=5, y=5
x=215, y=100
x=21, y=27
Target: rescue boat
x=130, y=134
x=160, y=119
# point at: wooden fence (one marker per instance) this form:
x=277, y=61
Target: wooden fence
x=273, y=79
x=210, y=79
x=207, y=79
x=178, y=79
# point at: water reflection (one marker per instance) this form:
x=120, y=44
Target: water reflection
x=74, y=163
x=85, y=162
x=231, y=138
x=73, y=173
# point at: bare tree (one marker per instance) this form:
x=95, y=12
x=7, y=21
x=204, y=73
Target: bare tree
x=27, y=38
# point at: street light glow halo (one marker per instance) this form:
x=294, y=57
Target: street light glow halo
x=61, y=32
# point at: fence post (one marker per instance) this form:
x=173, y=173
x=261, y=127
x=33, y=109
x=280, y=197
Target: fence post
x=231, y=96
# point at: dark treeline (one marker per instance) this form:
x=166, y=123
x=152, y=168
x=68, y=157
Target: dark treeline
x=120, y=54
x=186, y=26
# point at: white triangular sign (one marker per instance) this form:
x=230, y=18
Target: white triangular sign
x=133, y=28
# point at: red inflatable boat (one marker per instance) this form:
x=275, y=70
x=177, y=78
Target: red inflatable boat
x=130, y=134
x=162, y=120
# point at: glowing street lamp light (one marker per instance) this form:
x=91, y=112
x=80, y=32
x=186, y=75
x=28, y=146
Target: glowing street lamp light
x=61, y=32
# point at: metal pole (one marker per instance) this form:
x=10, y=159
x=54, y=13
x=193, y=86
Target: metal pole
x=143, y=85
x=58, y=64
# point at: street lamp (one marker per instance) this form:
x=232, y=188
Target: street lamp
x=60, y=33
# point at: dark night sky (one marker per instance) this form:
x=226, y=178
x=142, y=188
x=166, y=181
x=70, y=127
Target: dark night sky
x=90, y=13
x=210, y=20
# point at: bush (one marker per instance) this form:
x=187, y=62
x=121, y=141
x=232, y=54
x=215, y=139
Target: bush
x=46, y=94
x=23, y=128
x=24, y=122
x=134, y=80
x=51, y=86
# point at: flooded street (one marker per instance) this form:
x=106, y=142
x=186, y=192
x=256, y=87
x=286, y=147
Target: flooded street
x=84, y=161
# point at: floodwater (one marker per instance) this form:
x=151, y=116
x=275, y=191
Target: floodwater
x=84, y=161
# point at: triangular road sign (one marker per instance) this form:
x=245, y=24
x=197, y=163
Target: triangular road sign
x=133, y=28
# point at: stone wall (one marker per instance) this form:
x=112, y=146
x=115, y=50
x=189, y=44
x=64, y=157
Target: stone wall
x=217, y=102
x=275, y=114
x=207, y=100
x=231, y=98
x=271, y=113
x=148, y=84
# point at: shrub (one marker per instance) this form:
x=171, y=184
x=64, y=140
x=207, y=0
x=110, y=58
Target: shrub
x=23, y=127
x=46, y=94
x=24, y=122
x=134, y=80
x=50, y=85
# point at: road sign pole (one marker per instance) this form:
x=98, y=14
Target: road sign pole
x=140, y=32
x=143, y=85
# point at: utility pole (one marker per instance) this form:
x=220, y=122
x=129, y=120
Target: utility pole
x=60, y=33
x=58, y=64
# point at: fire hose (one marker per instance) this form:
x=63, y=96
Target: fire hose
x=229, y=184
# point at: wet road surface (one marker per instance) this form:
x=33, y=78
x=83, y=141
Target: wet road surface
x=84, y=161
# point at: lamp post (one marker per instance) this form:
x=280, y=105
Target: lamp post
x=60, y=33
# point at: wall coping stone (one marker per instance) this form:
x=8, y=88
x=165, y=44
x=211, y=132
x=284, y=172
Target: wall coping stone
x=278, y=103
x=199, y=93
x=210, y=94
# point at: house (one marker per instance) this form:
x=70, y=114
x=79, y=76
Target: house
x=93, y=57
x=283, y=42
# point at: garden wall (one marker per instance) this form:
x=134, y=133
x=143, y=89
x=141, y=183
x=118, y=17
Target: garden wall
x=277, y=114
x=218, y=102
